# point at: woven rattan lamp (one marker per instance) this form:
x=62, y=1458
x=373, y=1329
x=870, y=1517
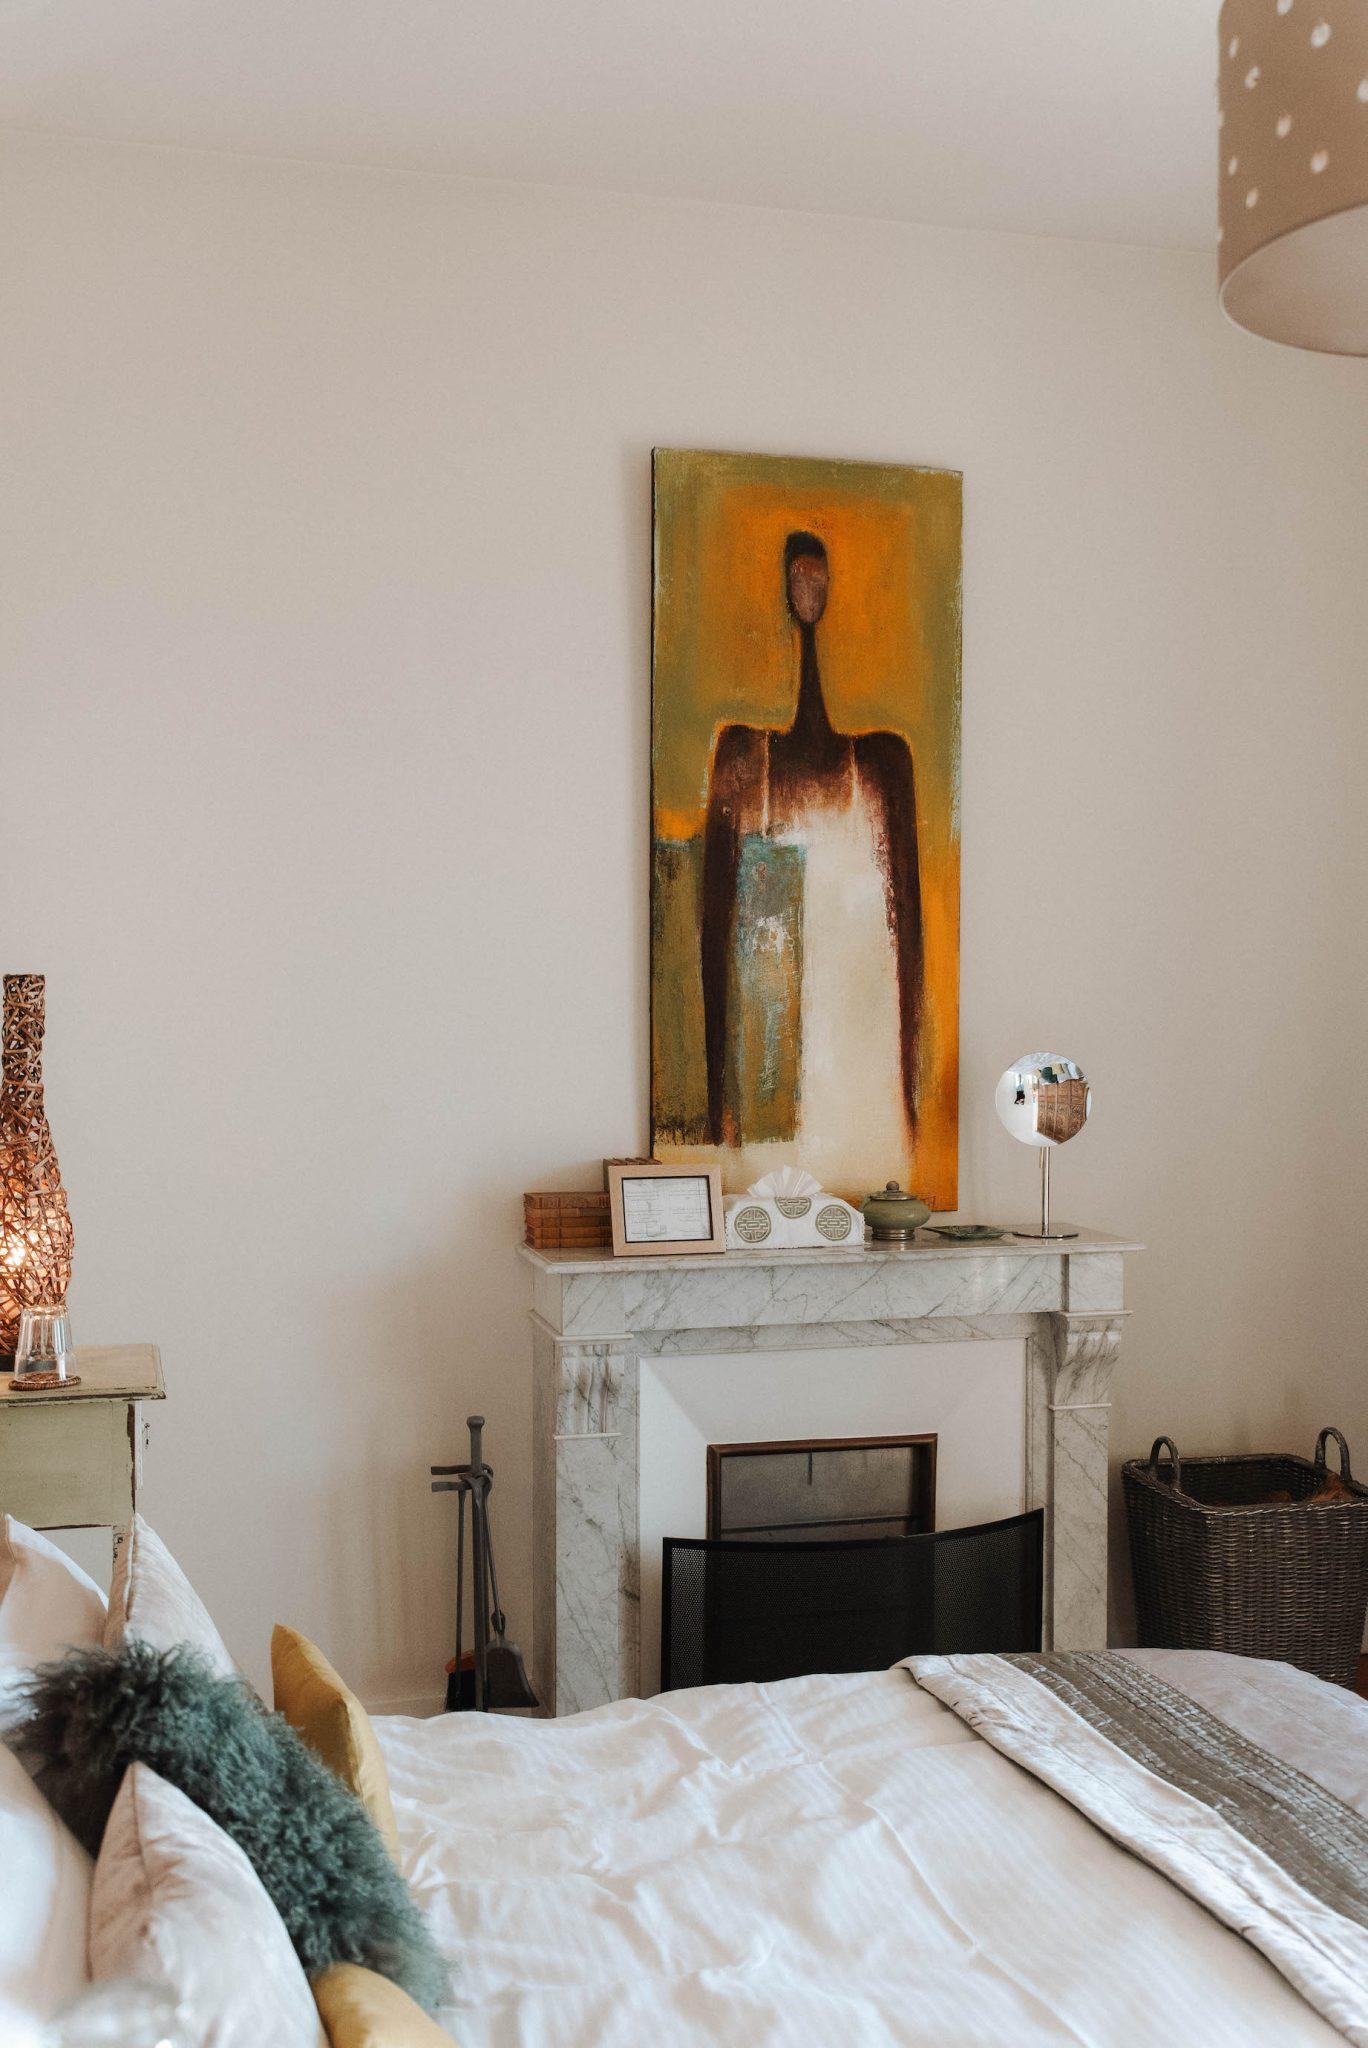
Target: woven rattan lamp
x=35, y=1224
x=1294, y=171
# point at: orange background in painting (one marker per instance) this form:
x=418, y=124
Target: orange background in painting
x=725, y=651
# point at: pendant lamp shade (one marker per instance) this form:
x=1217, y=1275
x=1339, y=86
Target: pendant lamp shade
x=1294, y=171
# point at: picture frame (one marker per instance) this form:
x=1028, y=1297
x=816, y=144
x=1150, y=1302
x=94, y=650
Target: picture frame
x=657, y=1208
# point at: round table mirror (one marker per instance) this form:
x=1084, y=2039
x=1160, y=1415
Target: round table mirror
x=1044, y=1099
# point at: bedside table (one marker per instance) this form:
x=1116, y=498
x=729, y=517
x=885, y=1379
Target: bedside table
x=73, y=1459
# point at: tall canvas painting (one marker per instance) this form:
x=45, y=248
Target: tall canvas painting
x=805, y=803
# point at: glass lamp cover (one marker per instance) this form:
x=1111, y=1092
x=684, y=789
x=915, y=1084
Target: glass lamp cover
x=44, y=1342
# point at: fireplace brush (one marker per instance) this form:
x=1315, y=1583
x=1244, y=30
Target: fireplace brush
x=497, y=1676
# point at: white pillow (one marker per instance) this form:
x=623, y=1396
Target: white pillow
x=177, y=1902
x=152, y=1601
x=47, y=1604
x=45, y=1884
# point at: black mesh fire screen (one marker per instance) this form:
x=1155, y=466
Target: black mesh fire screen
x=734, y=1610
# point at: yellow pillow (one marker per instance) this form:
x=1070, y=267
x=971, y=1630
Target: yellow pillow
x=313, y=1699
x=362, y=2010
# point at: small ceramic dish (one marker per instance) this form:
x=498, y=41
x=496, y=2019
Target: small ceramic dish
x=967, y=1233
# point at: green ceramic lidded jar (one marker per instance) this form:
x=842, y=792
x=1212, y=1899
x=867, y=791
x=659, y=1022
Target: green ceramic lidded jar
x=893, y=1215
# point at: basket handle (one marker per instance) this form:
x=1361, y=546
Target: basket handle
x=1321, y=1441
x=1175, y=1475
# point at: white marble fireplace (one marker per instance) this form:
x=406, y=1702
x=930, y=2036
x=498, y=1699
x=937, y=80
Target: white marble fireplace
x=1054, y=1312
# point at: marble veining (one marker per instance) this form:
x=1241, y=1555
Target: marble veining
x=754, y=1296
x=591, y=1377
x=1087, y=1359
x=781, y=1337
x=593, y=1320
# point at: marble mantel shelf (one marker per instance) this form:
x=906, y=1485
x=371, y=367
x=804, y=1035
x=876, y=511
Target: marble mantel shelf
x=926, y=1246
x=594, y=1317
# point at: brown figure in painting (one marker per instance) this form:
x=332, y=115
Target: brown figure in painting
x=807, y=831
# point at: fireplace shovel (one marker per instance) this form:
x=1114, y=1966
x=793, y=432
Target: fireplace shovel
x=495, y=1676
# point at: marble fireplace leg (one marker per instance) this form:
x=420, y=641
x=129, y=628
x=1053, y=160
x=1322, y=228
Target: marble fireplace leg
x=585, y=1565
x=1069, y=1366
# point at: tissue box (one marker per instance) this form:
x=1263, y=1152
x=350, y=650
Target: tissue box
x=790, y=1222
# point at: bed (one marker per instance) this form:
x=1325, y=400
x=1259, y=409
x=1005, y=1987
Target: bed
x=830, y=1858
x=962, y=1852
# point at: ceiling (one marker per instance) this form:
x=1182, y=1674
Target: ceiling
x=1089, y=118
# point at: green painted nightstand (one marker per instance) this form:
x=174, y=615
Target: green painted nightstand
x=73, y=1459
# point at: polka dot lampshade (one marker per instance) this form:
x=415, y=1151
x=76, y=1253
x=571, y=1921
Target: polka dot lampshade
x=1294, y=171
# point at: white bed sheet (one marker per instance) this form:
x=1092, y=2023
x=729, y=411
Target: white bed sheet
x=827, y=1859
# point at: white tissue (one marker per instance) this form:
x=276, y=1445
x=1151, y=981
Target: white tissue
x=785, y=1180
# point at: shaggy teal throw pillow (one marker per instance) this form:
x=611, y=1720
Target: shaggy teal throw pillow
x=84, y=1720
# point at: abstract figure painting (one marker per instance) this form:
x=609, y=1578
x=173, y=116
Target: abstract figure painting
x=805, y=795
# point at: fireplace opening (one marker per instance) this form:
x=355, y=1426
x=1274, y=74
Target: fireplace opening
x=822, y=1554
x=804, y=1490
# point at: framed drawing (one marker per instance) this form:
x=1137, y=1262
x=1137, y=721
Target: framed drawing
x=658, y=1209
x=805, y=820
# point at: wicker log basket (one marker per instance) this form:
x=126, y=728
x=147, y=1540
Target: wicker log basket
x=1219, y=1565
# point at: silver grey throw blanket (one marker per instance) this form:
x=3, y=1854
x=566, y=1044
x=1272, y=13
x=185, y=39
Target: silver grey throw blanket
x=1264, y=1847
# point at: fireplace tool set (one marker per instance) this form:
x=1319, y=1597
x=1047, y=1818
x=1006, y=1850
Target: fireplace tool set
x=492, y=1675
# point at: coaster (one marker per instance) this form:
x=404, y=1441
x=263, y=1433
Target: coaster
x=44, y=1382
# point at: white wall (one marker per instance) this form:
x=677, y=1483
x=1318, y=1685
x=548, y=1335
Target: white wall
x=324, y=516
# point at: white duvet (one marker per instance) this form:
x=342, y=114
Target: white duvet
x=828, y=1860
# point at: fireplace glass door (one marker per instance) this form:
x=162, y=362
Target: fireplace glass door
x=838, y=1487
